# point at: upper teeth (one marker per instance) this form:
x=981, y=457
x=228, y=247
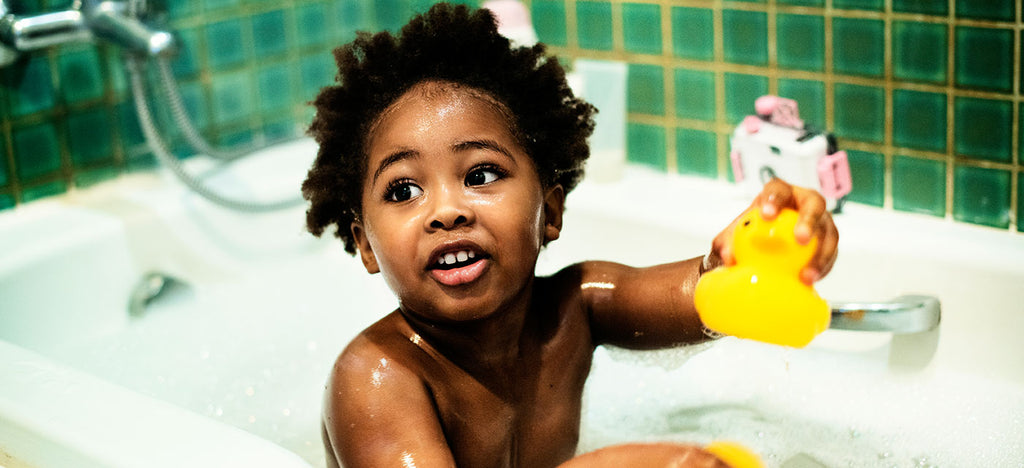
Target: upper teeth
x=451, y=258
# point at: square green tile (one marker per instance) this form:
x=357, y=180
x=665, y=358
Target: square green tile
x=919, y=120
x=391, y=14
x=981, y=196
x=6, y=201
x=90, y=177
x=928, y=7
x=282, y=129
x=232, y=97
x=858, y=46
x=859, y=112
x=352, y=17
x=998, y=10
x=873, y=5
x=89, y=138
x=983, y=129
x=224, y=44
x=80, y=75
x=868, y=173
x=696, y=152
x=919, y=52
x=269, y=33
x=695, y=94
x=645, y=144
x=641, y=28
x=984, y=58
x=311, y=24
x=745, y=37
x=193, y=96
x=186, y=63
x=315, y=72
x=275, y=88
x=919, y=185
x=800, y=42
x=26, y=7
x=740, y=93
x=550, y=21
x=810, y=98
x=594, y=25
x=693, y=33
x=129, y=130
x=646, y=89
x=36, y=151
x=29, y=85
x=179, y=9
x=48, y=189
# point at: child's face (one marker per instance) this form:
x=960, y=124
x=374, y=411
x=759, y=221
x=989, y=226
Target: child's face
x=453, y=211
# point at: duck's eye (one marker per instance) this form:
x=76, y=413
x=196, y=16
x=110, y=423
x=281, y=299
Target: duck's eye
x=401, y=190
x=484, y=175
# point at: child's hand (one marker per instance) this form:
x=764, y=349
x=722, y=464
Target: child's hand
x=814, y=220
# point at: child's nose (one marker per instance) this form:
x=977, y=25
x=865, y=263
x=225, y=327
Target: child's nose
x=451, y=210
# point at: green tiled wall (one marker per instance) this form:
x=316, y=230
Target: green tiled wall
x=246, y=71
x=924, y=95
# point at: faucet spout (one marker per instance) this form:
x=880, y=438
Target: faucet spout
x=905, y=314
x=85, y=21
x=109, y=20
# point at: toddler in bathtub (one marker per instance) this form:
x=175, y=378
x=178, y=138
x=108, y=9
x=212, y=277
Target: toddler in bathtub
x=445, y=159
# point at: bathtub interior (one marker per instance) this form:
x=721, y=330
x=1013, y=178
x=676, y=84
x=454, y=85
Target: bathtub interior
x=246, y=336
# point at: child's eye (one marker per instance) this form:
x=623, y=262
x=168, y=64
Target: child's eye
x=484, y=175
x=402, y=190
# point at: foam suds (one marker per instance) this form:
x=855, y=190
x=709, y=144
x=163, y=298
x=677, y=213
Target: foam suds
x=792, y=406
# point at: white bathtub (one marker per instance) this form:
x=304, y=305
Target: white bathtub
x=227, y=367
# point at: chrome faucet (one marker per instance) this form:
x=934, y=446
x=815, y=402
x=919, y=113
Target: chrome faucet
x=903, y=315
x=85, y=21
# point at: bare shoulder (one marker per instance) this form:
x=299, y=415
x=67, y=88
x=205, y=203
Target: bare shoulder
x=374, y=390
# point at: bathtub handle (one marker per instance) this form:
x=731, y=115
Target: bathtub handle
x=905, y=314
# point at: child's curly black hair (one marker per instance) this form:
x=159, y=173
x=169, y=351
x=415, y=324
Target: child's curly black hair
x=448, y=43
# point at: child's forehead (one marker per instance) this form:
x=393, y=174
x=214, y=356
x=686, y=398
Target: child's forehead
x=440, y=96
x=439, y=91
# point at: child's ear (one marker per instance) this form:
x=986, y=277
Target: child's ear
x=554, y=205
x=365, y=251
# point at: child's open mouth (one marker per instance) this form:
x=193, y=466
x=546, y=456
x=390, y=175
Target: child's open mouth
x=458, y=267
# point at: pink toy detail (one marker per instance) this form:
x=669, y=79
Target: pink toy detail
x=737, y=165
x=779, y=111
x=834, y=175
x=751, y=124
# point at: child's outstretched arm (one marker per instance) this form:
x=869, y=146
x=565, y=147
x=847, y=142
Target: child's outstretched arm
x=653, y=307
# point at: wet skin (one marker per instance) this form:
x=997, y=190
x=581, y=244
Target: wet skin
x=483, y=364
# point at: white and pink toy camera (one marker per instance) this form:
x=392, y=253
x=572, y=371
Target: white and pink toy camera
x=776, y=143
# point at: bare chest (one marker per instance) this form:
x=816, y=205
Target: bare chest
x=529, y=419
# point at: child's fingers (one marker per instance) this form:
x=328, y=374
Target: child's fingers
x=774, y=196
x=813, y=215
x=825, y=256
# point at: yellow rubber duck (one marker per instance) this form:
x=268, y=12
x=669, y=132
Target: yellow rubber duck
x=761, y=297
x=734, y=454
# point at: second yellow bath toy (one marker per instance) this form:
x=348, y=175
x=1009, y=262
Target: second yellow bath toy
x=761, y=297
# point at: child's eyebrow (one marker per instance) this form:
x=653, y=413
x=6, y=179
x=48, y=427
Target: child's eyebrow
x=486, y=144
x=393, y=158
